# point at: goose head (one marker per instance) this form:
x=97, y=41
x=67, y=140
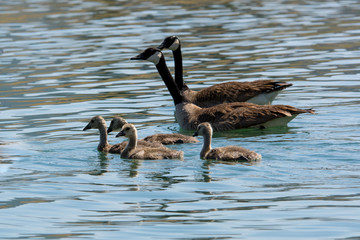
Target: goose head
x=172, y=43
x=116, y=123
x=95, y=122
x=128, y=130
x=153, y=55
x=203, y=129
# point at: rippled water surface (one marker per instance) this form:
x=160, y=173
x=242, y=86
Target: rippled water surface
x=63, y=62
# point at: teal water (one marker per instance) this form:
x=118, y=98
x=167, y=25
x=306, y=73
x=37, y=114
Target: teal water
x=63, y=62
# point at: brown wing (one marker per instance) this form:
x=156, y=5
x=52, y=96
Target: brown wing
x=143, y=143
x=171, y=138
x=236, y=91
x=233, y=153
x=117, y=148
x=243, y=115
x=156, y=153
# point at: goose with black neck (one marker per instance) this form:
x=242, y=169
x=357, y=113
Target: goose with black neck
x=222, y=117
x=259, y=92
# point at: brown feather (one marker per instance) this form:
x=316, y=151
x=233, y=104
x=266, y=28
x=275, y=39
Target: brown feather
x=119, y=147
x=155, y=153
x=243, y=115
x=232, y=92
x=232, y=153
x=170, y=138
x=133, y=150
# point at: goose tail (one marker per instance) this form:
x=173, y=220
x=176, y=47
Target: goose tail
x=278, y=86
x=310, y=110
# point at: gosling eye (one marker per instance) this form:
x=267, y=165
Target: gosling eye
x=127, y=129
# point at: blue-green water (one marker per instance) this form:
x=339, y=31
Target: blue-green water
x=63, y=62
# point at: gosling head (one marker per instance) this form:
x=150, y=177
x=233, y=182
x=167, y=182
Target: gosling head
x=116, y=123
x=150, y=54
x=172, y=43
x=127, y=130
x=203, y=129
x=95, y=122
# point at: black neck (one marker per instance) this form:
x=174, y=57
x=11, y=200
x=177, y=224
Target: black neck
x=169, y=81
x=179, y=69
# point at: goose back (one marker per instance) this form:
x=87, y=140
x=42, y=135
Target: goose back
x=135, y=151
x=230, y=116
x=259, y=92
x=171, y=138
x=232, y=153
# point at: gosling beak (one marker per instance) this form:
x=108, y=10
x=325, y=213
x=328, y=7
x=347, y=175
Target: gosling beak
x=109, y=130
x=120, y=134
x=87, y=127
x=195, y=134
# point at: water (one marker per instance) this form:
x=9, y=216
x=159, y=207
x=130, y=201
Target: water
x=63, y=62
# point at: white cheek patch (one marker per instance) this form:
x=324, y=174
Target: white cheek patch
x=175, y=45
x=155, y=58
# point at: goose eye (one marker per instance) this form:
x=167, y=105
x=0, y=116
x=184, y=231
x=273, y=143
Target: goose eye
x=127, y=129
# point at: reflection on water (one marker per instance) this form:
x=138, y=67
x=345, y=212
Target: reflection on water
x=63, y=62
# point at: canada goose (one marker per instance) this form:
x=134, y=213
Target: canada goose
x=133, y=151
x=98, y=122
x=226, y=116
x=228, y=153
x=259, y=92
x=163, y=138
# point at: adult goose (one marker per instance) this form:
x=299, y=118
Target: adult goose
x=259, y=92
x=133, y=151
x=163, y=138
x=226, y=116
x=98, y=122
x=228, y=153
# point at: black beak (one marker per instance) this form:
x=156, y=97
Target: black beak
x=167, y=42
x=195, y=134
x=87, y=127
x=138, y=57
x=120, y=134
x=162, y=46
x=109, y=130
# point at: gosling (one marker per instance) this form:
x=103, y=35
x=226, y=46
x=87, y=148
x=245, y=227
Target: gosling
x=133, y=151
x=228, y=153
x=98, y=122
x=163, y=138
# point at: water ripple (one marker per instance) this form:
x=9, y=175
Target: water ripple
x=66, y=61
